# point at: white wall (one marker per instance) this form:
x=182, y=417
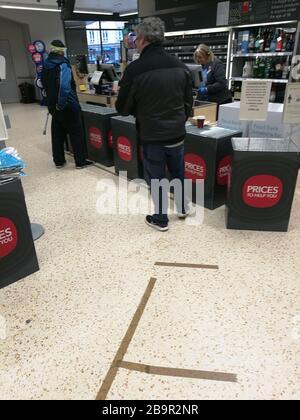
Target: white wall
x=18, y=36
x=44, y=26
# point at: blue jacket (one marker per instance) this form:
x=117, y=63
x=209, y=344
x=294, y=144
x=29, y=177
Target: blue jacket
x=58, y=81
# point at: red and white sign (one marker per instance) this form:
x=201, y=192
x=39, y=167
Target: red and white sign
x=31, y=48
x=224, y=170
x=95, y=137
x=262, y=191
x=124, y=148
x=195, y=167
x=37, y=58
x=110, y=139
x=8, y=237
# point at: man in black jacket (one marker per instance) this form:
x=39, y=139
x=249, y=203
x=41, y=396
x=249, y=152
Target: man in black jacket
x=63, y=105
x=157, y=90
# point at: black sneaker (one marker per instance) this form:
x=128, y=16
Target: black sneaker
x=61, y=166
x=84, y=164
x=150, y=222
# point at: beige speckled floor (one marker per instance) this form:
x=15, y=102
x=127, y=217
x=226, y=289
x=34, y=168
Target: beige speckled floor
x=94, y=271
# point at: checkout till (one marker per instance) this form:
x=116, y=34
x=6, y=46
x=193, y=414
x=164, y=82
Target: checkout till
x=247, y=166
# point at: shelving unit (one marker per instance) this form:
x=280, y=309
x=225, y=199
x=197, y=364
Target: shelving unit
x=275, y=54
x=241, y=79
x=183, y=45
x=273, y=64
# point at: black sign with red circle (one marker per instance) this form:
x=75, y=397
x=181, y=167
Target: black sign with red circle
x=17, y=253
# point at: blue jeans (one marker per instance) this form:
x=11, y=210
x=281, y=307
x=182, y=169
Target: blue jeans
x=157, y=159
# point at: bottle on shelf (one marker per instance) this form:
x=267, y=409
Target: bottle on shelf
x=273, y=42
x=237, y=91
x=248, y=69
x=286, y=69
x=256, y=68
x=268, y=68
x=259, y=42
x=284, y=42
x=268, y=39
x=261, y=69
x=290, y=43
x=279, y=41
x=278, y=69
x=273, y=95
x=251, y=45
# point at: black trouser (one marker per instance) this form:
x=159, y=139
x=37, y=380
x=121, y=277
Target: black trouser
x=67, y=122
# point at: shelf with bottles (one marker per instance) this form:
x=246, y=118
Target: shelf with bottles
x=183, y=46
x=259, y=67
x=241, y=79
x=263, y=39
x=275, y=54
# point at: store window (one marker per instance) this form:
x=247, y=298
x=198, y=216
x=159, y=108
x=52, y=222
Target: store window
x=103, y=39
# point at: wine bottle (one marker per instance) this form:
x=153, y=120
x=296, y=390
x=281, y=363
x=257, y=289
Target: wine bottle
x=268, y=68
x=286, y=69
x=256, y=68
x=268, y=39
x=279, y=42
x=273, y=42
x=251, y=45
x=261, y=69
x=258, y=41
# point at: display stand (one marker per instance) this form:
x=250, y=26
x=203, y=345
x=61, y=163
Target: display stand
x=98, y=133
x=264, y=170
x=127, y=150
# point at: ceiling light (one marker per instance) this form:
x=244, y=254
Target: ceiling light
x=87, y=12
x=129, y=14
x=29, y=8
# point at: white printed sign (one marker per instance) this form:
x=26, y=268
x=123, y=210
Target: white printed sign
x=255, y=100
x=96, y=77
x=291, y=111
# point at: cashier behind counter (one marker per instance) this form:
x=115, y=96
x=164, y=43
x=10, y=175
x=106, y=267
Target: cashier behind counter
x=214, y=86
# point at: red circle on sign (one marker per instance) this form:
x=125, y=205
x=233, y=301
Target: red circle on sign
x=262, y=191
x=195, y=167
x=110, y=139
x=95, y=137
x=8, y=237
x=224, y=170
x=31, y=48
x=37, y=58
x=124, y=148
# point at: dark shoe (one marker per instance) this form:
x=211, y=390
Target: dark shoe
x=150, y=222
x=61, y=166
x=84, y=164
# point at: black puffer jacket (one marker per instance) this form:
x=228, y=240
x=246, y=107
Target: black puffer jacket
x=157, y=90
x=217, y=83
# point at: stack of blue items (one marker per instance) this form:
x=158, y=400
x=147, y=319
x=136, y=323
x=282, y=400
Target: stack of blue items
x=11, y=165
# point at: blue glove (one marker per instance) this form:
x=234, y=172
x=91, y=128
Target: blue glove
x=203, y=92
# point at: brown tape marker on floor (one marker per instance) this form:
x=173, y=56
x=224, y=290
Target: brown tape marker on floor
x=111, y=374
x=180, y=373
x=165, y=264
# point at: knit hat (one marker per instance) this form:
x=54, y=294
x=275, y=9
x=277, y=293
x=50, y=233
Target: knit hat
x=57, y=46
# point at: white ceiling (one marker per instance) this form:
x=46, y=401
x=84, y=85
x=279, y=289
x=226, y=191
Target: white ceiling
x=115, y=6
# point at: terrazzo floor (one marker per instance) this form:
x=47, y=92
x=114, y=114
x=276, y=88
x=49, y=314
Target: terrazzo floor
x=66, y=322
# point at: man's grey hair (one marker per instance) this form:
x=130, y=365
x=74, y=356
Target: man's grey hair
x=152, y=29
